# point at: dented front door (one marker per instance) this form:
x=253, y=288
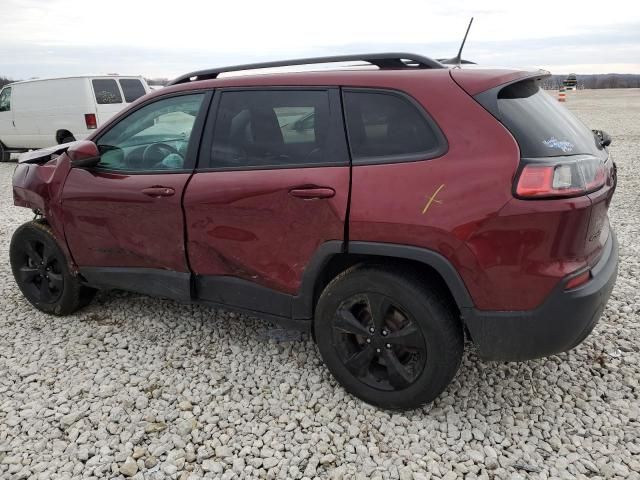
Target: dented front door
x=123, y=220
x=127, y=211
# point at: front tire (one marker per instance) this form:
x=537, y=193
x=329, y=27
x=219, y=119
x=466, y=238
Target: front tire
x=388, y=337
x=41, y=271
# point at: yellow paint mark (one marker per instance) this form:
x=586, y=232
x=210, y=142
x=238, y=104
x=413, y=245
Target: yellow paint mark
x=432, y=199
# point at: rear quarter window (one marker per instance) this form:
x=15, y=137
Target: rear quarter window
x=132, y=89
x=541, y=126
x=385, y=126
x=106, y=91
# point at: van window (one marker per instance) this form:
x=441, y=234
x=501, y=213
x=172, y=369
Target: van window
x=106, y=91
x=5, y=100
x=386, y=124
x=132, y=89
x=271, y=128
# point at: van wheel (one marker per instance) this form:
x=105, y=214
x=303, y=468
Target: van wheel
x=388, y=337
x=5, y=156
x=68, y=139
x=40, y=269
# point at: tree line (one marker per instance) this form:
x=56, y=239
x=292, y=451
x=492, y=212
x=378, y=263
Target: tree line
x=602, y=80
x=4, y=81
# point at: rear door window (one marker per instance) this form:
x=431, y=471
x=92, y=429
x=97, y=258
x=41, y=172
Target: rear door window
x=106, y=91
x=132, y=89
x=541, y=126
x=387, y=127
x=272, y=128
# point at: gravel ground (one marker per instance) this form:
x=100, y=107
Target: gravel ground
x=145, y=388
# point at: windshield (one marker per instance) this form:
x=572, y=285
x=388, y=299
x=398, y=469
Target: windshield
x=541, y=126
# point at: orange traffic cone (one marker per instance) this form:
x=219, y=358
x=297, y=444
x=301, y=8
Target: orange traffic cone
x=561, y=94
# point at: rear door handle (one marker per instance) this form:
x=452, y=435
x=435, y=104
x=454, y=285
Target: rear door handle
x=159, y=191
x=310, y=193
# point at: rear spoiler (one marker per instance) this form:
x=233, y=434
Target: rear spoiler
x=44, y=155
x=475, y=81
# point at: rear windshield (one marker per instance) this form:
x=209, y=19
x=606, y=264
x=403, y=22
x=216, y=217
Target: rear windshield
x=132, y=89
x=106, y=91
x=541, y=126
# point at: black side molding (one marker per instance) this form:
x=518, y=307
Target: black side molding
x=240, y=293
x=293, y=311
x=149, y=281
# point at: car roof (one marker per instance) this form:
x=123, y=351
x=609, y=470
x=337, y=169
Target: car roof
x=473, y=80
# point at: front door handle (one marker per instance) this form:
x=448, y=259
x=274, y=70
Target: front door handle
x=159, y=191
x=310, y=193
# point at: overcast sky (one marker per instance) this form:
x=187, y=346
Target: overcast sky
x=61, y=37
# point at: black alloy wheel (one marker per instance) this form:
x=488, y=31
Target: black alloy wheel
x=389, y=336
x=41, y=271
x=379, y=342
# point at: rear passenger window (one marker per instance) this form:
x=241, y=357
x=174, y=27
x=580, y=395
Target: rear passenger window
x=384, y=124
x=132, y=89
x=106, y=91
x=271, y=128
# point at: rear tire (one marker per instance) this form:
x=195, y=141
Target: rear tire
x=5, y=156
x=388, y=337
x=68, y=139
x=41, y=271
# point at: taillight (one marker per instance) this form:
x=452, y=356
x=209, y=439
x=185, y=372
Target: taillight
x=562, y=179
x=90, y=120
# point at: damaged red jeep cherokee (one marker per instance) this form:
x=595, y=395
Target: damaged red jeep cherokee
x=389, y=210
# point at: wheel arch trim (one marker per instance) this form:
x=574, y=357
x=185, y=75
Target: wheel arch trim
x=428, y=257
x=302, y=307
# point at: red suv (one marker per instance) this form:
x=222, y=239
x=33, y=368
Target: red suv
x=391, y=210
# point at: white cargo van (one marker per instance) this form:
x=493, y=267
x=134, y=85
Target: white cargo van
x=44, y=112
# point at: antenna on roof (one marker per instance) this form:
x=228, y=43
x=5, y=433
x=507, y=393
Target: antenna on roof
x=457, y=60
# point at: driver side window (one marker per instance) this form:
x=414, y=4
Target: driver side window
x=155, y=137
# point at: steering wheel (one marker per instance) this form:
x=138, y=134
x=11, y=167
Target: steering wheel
x=156, y=152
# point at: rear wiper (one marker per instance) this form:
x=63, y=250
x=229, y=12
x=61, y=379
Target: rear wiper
x=602, y=137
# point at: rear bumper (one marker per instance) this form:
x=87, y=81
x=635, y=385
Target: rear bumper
x=563, y=321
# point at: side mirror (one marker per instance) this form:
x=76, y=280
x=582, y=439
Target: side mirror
x=83, y=154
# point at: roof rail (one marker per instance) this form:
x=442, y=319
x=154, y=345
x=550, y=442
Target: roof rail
x=381, y=60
